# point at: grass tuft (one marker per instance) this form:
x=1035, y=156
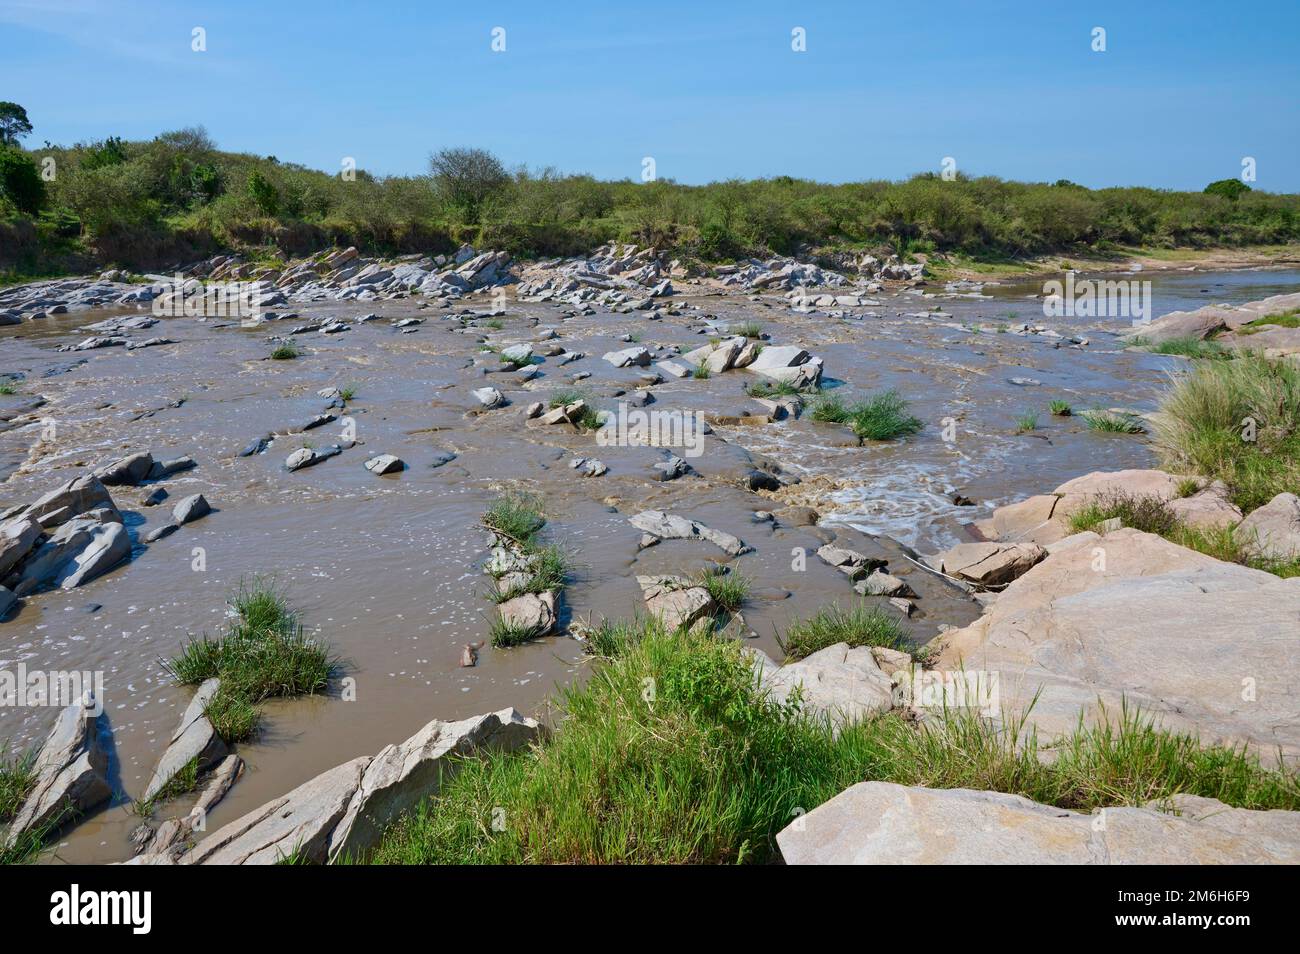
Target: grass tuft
x=1026, y=422
x=1060, y=408
x=284, y=352
x=880, y=417
x=861, y=625
x=1190, y=348
x=1113, y=422
x=728, y=587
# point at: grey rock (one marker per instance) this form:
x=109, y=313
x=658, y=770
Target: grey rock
x=1273, y=530
x=668, y=526
x=194, y=738
x=65, y=502
x=191, y=508
x=385, y=464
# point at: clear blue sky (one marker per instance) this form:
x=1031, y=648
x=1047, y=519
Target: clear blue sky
x=710, y=90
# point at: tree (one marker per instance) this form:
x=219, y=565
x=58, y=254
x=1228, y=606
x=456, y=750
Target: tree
x=14, y=124
x=1230, y=189
x=20, y=181
x=264, y=194
x=466, y=178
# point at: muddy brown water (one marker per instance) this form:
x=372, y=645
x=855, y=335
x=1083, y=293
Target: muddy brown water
x=387, y=569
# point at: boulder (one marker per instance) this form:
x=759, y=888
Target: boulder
x=990, y=564
x=402, y=776
x=880, y=823
x=109, y=545
x=310, y=456
x=75, y=553
x=842, y=684
x=1198, y=645
x=1029, y=520
x=518, y=354
x=71, y=773
x=1209, y=508
x=1273, y=531
x=385, y=464
x=637, y=356
x=191, y=508
x=489, y=397
x=7, y=601
x=17, y=537
x=126, y=472
x=194, y=738
x=880, y=583
x=75, y=497
x=675, y=600
x=170, y=838
x=531, y=612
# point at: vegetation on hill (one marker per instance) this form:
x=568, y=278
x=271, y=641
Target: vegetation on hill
x=177, y=197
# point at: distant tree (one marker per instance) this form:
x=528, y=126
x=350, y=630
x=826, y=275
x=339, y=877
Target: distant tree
x=14, y=124
x=1228, y=188
x=466, y=178
x=264, y=194
x=20, y=181
x=110, y=152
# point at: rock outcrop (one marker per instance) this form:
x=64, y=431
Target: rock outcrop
x=194, y=740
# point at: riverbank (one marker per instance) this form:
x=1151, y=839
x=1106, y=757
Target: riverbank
x=474, y=375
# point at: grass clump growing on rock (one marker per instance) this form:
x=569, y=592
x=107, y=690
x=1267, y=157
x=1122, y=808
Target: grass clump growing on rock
x=1286, y=319
x=7, y=388
x=747, y=329
x=16, y=780
x=1237, y=421
x=1190, y=348
x=1148, y=514
x=517, y=517
x=729, y=588
x=263, y=654
x=701, y=372
x=710, y=768
x=860, y=625
x=1026, y=422
x=284, y=352
x=1060, y=408
x=771, y=389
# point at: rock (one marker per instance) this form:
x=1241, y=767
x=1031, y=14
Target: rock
x=676, y=601
x=309, y=456
x=722, y=357
x=518, y=354
x=385, y=464
x=173, y=833
x=17, y=537
x=672, y=527
x=1273, y=531
x=73, y=498
x=158, y=533
x=402, y=776
x=489, y=397
x=842, y=684
x=675, y=369
x=194, y=738
x=1207, y=509
x=191, y=508
x=534, y=410
x=1132, y=619
x=75, y=553
x=882, y=823
x=71, y=773
x=533, y=613
x=849, y=562
x=108, y=546
x=565, y=414
x=298, y=824
x=128, y=471
x=880, y=583
x=1029, y=520
x=637, y=356
x=256, y=446
x=798, y=517
x=7, y=601
x=154, y=497
x=990, y=564
x=165, y=468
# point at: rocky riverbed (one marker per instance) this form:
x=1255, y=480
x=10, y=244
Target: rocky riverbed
x=357, y=472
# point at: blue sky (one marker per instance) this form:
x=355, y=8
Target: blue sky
x=710, y=90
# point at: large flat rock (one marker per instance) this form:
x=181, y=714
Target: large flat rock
x=880, y=823
x=1201, y=645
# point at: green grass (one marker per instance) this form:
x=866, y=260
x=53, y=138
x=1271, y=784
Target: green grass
x=505, y=634
x=517, y=364
x=549, y=570
x=6, y=388
x=263, y=654
x=1189, y=348
x=1286, y=319
x=1026, y=422
x=672, y=754
x=348, y=393
x=771, y=389
x=517, y=517
x=1113, y=422
x=285, y=352
x=589, y=418
x=728, y=587
x=1145, y=513
x=1060, y=408
x=880, y=417
x=1210, y=414
x=496, y=324
x=1187, y=486
x=860, y=625
x=17, y=779
x=746, y=329
x=183, y=782
x=701, y=373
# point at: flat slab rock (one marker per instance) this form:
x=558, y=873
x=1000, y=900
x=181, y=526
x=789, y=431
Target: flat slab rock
x=669, y=526
x=342, y=811
x=841, y=683
x=1130, y=617
x=194, y=738
x=71, y=772
x=880, y=823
